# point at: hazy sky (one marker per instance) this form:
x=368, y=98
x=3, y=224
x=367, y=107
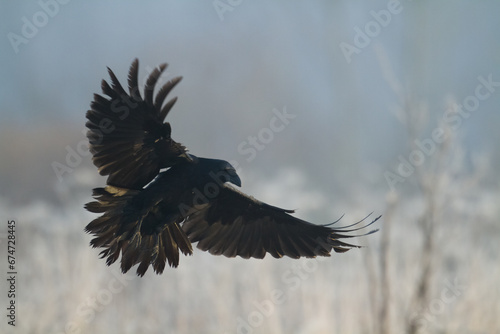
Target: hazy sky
x=341, y=68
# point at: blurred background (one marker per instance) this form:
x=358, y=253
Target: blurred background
x=388, y=107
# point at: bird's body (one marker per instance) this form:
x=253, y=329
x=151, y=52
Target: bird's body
x=159, y=199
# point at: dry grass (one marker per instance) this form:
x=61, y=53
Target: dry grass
x=60, y=277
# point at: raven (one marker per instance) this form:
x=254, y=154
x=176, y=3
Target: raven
x=159, y=199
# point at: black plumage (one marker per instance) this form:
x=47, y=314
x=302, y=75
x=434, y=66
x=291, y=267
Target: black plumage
x=159, y=199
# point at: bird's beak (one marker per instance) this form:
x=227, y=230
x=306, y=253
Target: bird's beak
x=235, y=180
x=233, y=177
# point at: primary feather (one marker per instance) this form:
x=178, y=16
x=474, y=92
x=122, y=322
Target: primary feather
x=150, y=217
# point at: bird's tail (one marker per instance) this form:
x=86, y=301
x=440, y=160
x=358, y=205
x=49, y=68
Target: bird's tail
x=140, y=234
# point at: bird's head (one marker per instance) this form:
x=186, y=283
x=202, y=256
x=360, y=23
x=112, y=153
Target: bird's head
x=219, y=171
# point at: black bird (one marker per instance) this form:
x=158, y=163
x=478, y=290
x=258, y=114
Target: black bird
x=148, y=215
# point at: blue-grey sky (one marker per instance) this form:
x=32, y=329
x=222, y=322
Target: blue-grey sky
x=340, y=67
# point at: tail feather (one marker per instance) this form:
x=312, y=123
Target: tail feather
x=161, y=256
x=118, y=231
x=144, y=261
x=182, y=240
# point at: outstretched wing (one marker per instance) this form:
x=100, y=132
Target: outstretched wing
x=128, y=138
x=238, y=225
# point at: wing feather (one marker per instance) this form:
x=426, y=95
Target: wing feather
x=128, y=139
x=151, y=83
x=162, y=94
x=235, y=224
x=133, y=81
